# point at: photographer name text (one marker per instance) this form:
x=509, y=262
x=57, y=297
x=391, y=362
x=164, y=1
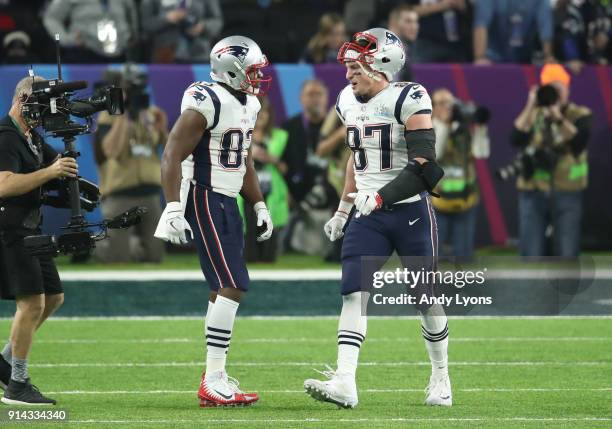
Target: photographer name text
x=444, y=300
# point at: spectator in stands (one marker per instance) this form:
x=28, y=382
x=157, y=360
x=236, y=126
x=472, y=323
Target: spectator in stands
x=445, y=27
x=582, y=33
x=127, y=157
x=552, y=133
x=324, y=45
x=267, y=146
x=404, y=21
x=306, y=176
x=92, y=31
x=303, y=166
x=181, y=31
x=508, y=31
x=358, y=14
x=460, y=140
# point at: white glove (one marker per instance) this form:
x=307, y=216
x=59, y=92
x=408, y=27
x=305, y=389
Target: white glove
x=333, y=228
x=366, y=202
x=172, y=224
x=263, y=217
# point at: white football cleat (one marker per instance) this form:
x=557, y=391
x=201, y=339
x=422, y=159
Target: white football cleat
x=220, y=390
x=340, y=389
x=439, y=391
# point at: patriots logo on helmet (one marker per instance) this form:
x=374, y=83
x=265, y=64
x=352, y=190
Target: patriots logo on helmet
x=392, y=38
x=239, y=52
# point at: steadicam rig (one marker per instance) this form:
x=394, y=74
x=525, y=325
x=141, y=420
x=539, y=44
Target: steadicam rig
x=50, y=107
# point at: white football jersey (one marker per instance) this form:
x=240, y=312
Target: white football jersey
x=219, y=160
x=375, y=131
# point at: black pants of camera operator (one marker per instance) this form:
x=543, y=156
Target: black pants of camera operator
x=135, y=244
x=34, y=284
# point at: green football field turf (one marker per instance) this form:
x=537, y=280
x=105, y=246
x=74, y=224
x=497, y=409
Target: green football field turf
x=516, y=373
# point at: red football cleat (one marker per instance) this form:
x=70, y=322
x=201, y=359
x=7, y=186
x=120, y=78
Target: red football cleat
x=220, y=390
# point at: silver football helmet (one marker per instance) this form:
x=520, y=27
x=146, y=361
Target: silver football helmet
x=378, y=48
x=237, y=61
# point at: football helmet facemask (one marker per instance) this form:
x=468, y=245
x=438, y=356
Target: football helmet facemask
x=378, y=48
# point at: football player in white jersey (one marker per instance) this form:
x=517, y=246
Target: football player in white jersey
x=206, y=163
x=389, y=175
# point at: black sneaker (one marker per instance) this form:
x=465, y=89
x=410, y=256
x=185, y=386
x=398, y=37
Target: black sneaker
x=5, y=373
x=25, y=394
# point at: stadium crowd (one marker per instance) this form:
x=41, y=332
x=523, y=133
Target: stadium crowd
x=479, y=31
x=301, y=163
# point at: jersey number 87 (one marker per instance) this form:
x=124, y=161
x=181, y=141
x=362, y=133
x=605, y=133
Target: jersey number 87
x=353, y=138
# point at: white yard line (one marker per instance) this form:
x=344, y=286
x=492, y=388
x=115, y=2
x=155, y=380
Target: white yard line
x=201, y=421
x=311, y=275
x=314, y=340
x=191, y=392
x=309, y=364
x=304, y=318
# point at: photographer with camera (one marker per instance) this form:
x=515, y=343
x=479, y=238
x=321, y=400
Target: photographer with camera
x=461, y=137
x=26, y=164
x=552, y=167
x=127, y=156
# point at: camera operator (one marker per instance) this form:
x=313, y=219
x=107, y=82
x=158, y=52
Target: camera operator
x=26, y=164
x=461, y=137
x=552, y=167
x=126, y=150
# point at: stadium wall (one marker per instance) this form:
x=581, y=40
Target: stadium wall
x=502, y=88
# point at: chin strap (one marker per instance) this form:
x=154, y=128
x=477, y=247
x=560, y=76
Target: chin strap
x=370, y=74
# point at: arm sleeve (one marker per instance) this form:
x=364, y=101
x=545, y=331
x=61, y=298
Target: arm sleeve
x=203, y=100
x=9, y=155
x=412, y=100
x=483, y=12
x=55, y=18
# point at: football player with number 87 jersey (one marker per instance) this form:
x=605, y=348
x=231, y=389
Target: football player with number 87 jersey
x=206, y=163
x=389, y=177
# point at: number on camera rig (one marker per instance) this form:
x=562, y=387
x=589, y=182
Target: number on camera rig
x=50, y=106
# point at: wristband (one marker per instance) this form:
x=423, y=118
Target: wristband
x=260, y=205
x=344, y=207
x=174, y=206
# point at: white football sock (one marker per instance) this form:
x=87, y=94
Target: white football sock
x=208, y=311
x=434, y=326
x=207, y=315
x=352, y=329
x=219, y=325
